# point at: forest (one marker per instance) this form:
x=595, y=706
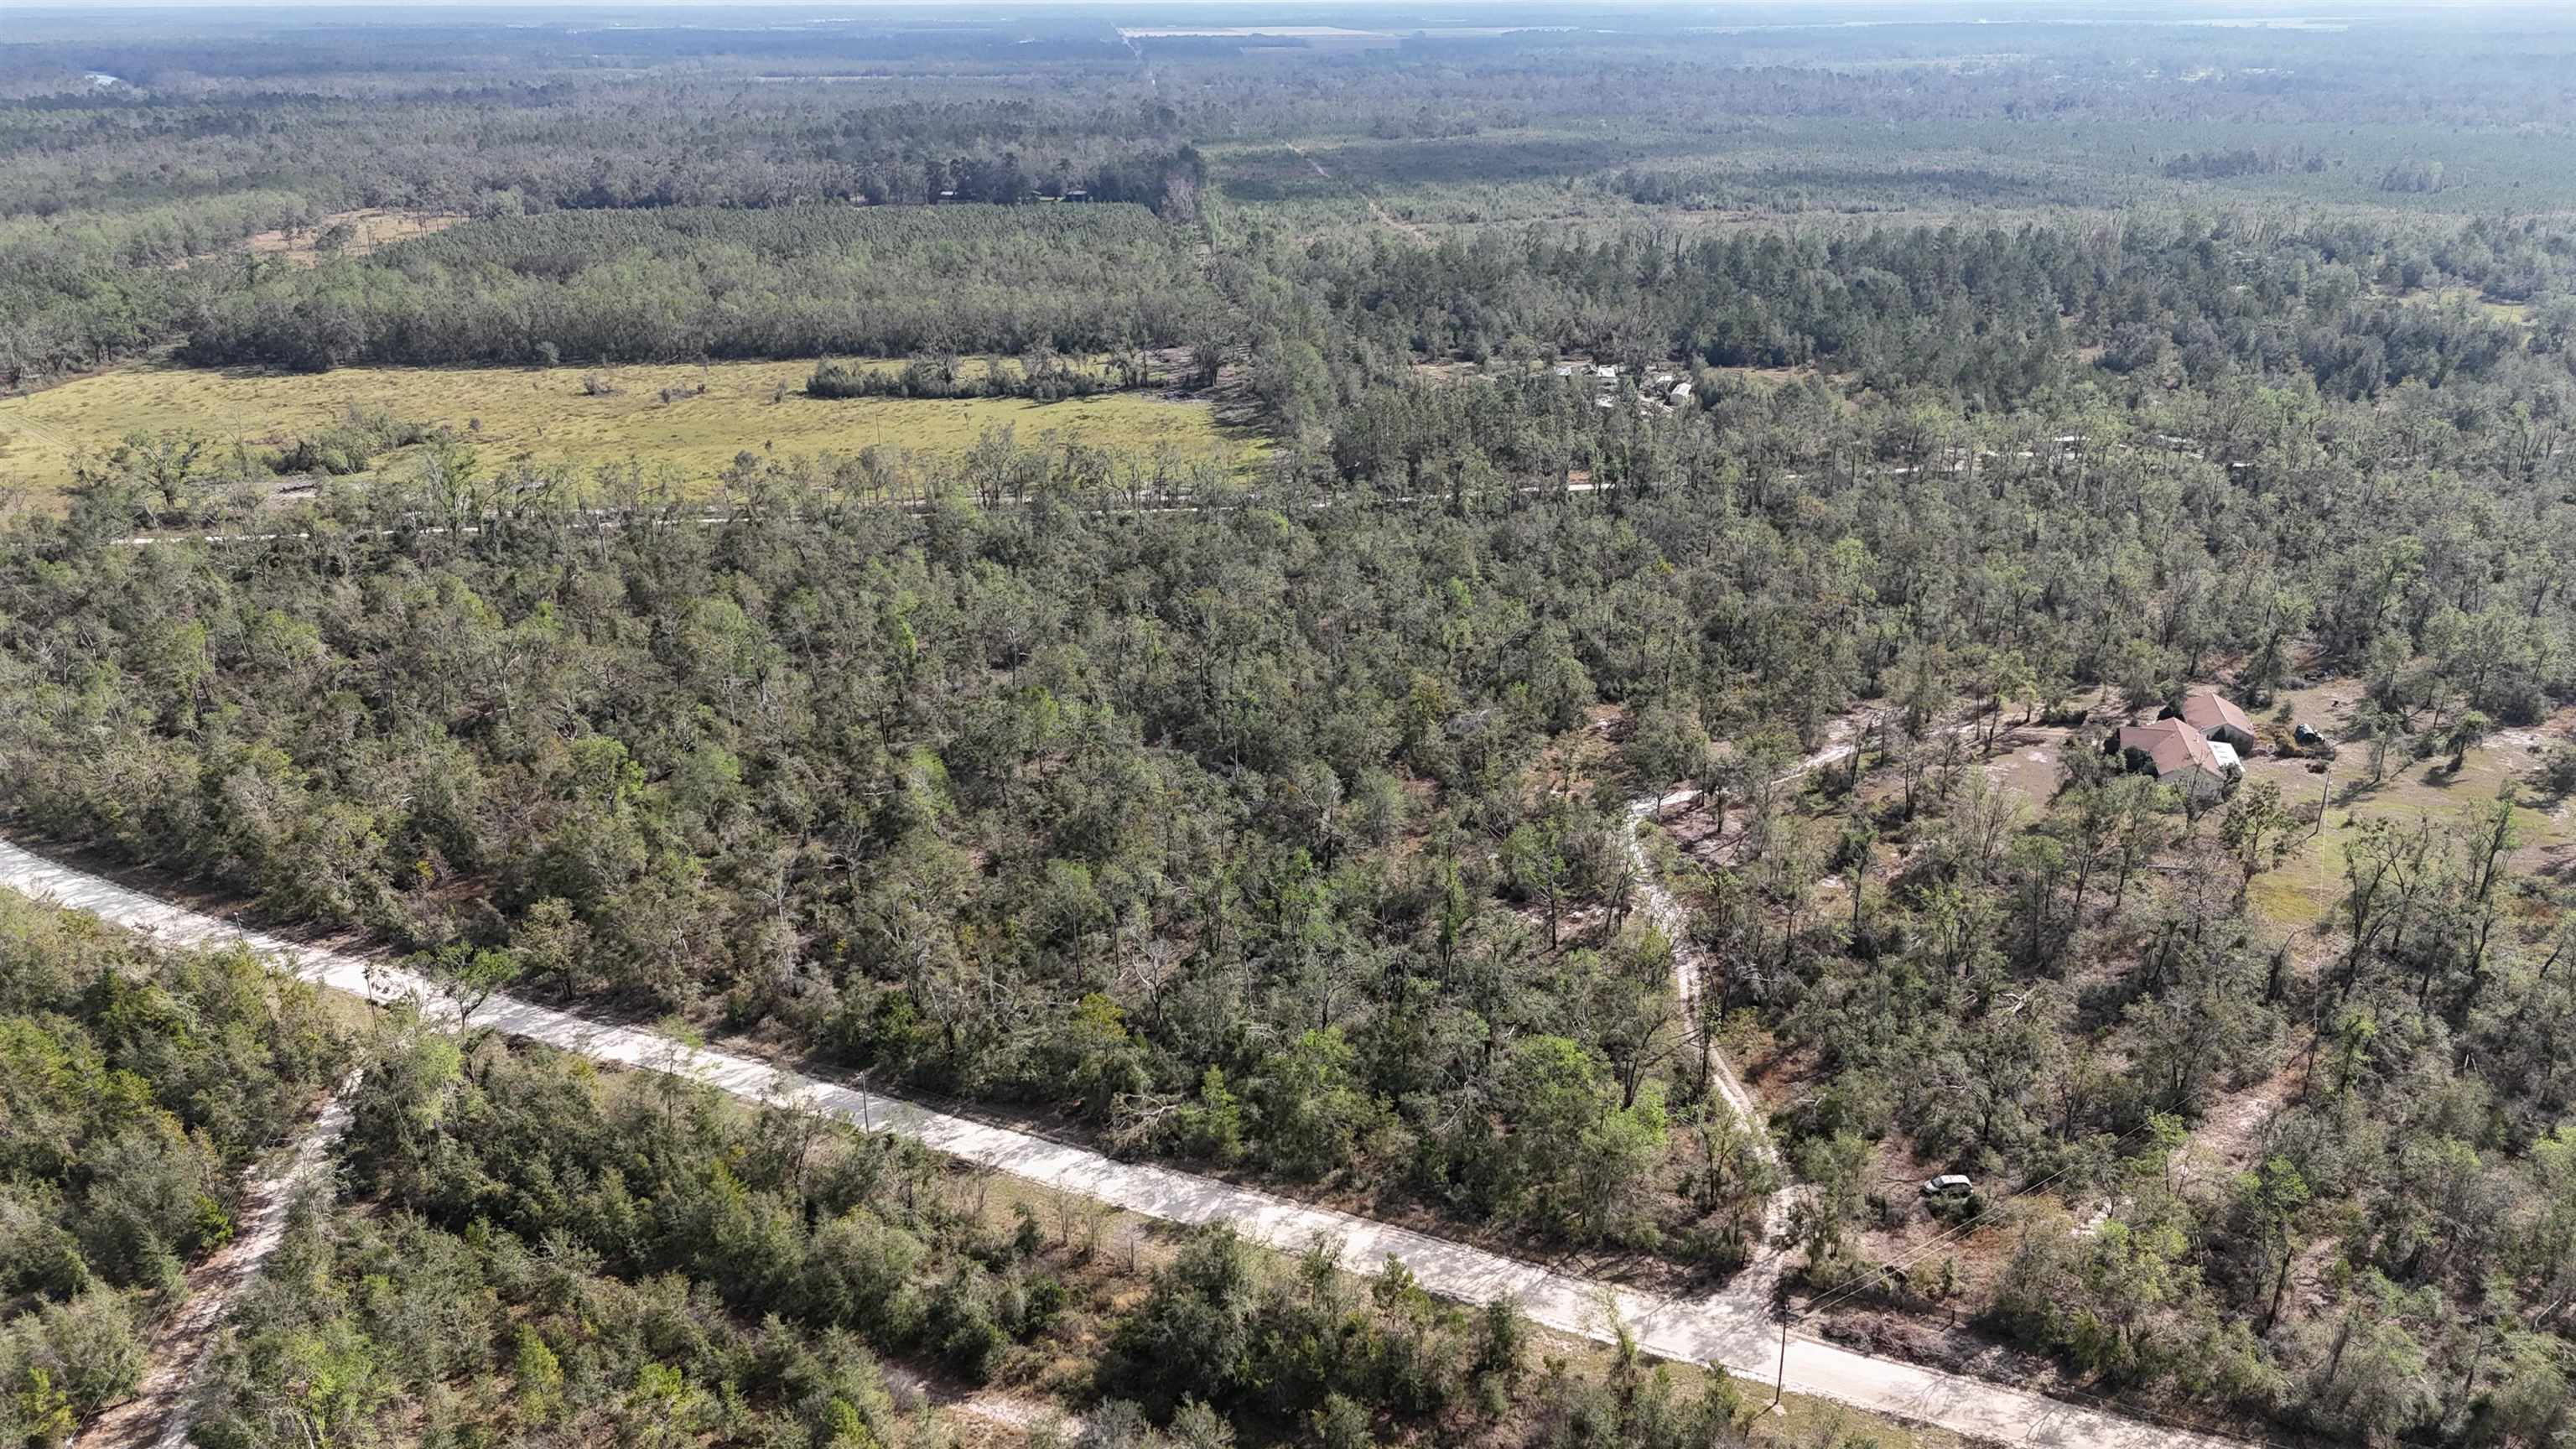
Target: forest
x=682, y=283
x=1719, y=494
x=530, y=1250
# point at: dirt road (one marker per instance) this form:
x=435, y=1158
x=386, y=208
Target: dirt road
x=1708, y=1331
x=1755, y=1287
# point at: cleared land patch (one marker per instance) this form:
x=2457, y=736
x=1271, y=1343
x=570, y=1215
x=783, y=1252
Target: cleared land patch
x=545, y=414
x=2306, y=889
x=357, y=233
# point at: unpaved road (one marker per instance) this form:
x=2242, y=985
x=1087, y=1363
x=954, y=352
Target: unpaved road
x=1755, y=1287
x=1707, y=1331
x=159, y=1414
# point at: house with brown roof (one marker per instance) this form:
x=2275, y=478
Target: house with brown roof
x=2209, y=712
x=2179, y=755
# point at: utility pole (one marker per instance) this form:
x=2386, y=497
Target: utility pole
x=1780, y=1385
x=2325, y=796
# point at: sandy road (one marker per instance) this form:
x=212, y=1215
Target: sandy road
x=1757, y=1286
x=1753, y=1289
x=1708, y=1331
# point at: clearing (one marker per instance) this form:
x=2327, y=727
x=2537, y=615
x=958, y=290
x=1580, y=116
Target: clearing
x=367, y=230
x=2303, y=892
x=356, y=233
x=545, y=414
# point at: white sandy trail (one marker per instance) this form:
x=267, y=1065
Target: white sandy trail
x=1697, y=1331
x=1755, y=1287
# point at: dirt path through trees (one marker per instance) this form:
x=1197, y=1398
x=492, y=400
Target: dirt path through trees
x=1384, y=216
x=159, y=1414
x=1756, y=1285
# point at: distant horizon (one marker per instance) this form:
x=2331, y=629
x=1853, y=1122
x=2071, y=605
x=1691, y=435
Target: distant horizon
x=1311, y=7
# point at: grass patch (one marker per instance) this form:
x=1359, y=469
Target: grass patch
x=545, y=414
x=2307, y=887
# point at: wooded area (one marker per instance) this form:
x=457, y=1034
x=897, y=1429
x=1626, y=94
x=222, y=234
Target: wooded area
x=1275, y=817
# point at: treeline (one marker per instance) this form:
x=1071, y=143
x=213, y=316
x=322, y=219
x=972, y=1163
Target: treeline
x=1895, y=186
x=530, y=141
x=1043, y=378
x=635, y=286
x=2241, y=161
x=120, y=215
x=135, y=1087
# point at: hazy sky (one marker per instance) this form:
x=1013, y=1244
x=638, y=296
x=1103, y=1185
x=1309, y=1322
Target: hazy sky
x=1283, y=9
x=1278, y=6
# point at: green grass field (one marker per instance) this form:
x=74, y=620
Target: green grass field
x=544, y=414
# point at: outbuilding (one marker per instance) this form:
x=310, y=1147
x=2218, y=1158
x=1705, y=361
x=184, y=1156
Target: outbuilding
x=2210, y=712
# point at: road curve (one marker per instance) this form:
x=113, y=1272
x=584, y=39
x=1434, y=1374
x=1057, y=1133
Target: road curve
x=1755, y=1286
x=1706, y=1331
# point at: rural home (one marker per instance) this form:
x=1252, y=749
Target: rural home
x=2179, y=754
x=2209, y=712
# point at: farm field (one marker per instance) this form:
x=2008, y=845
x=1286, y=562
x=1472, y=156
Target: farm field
x=544, y=414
